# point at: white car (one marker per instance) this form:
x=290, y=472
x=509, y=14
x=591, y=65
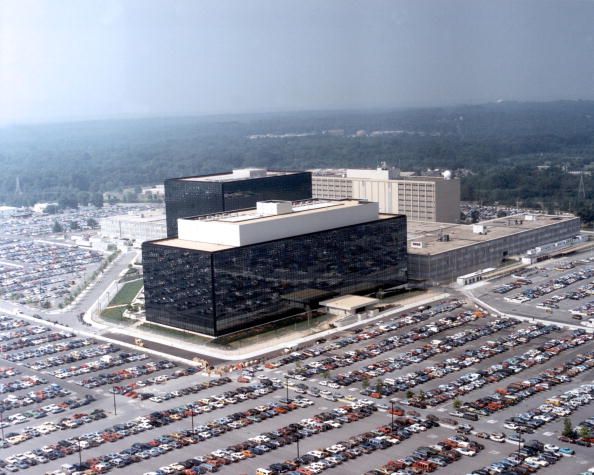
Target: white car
x=464, y=451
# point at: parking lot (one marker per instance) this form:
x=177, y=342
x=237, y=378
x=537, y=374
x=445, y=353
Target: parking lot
x=70, y=220
x=560, y=290
x=334, y=397
x=42, y=272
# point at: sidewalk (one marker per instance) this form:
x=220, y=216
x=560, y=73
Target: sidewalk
x=259, y=349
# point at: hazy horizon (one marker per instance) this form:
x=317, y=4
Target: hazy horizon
x=72, y=60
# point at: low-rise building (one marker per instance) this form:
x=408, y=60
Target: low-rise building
x=134, y=227
x=439, y=253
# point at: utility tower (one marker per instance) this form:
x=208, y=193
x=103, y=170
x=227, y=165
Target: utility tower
x=581, y=188
x=17, y=189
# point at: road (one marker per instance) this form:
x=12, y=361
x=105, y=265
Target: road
x=69, y=316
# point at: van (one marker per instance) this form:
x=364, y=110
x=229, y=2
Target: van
x=67, y=468
x=263, y=471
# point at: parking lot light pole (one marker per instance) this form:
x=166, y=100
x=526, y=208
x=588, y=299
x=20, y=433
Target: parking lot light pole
x=392, y=426
x=519, y=434
x=192, y=416
x=115, y=409
x=2, y=421
x=298, y=448
x=287, y=386
x=79, y=451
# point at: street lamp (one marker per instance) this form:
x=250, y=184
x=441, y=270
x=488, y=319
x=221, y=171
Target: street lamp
x=392, y=426
x=519, y=432
x=287, y=386
x=79, y=451
x=192, y=416
x=298, y=447
x=115, y=409
x=2, y=420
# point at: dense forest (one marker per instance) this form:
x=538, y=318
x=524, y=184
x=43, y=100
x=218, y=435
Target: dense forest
x=505, y=152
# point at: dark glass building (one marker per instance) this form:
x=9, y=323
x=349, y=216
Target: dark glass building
x=230, y=191
x=218, y=291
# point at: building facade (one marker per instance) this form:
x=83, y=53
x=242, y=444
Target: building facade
x=214, y=289
x=137, y=228
x=435, y=199
x=239, y=189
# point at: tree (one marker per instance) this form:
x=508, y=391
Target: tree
x=92, y=223
x=409, y=394
x=51, y=209
x=97, y=200
x=457, y=403
x=365, y=383
x=568, y=428
x=378, y=385
x=57, y=227
x=585, y=432
x=74, y=225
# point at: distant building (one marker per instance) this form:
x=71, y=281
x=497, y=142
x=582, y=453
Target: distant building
x=7, y=211
x=420, y=198
x=230, y=271
x=137, y=228
x=221, y=192
x=41, y=207
x=157, y=191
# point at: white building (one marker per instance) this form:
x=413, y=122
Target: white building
x=420, y=198
x=136, y=228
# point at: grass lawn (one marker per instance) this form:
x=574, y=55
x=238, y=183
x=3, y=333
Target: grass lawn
x=114, y=315
x=127, y=293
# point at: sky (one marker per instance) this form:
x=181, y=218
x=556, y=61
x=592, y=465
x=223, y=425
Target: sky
x=86, y=59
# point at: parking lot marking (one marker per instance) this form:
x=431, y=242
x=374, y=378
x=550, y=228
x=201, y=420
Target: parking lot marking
x=548, y=434
x=494, y=452
x=492, y=421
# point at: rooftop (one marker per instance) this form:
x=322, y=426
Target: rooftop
x=155, y=217
x=349, y=302
x=270, y=220
x=260, y=213
x=427, y=238
x=238, y=175
x=374, y=174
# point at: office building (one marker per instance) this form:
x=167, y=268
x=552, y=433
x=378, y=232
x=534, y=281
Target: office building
x=420, y=198
x=239, y=189
x=230, y=271
x=439, y=253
